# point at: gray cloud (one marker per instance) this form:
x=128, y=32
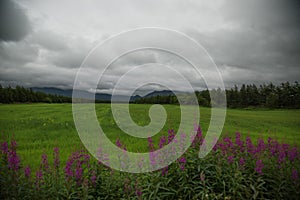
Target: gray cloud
x=14, y=24
x=251, y=41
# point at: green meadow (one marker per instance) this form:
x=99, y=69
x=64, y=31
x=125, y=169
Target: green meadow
x=38, y=128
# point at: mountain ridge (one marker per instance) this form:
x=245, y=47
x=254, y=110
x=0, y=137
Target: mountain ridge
x=99, y=96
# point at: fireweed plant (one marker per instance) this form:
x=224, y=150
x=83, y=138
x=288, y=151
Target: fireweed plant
x=236, y=168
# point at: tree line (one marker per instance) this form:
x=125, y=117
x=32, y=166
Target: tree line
x=25, y=95
x=284, y=95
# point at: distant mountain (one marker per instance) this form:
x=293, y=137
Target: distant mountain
x=68, y=93
x=52, y=90
x=99, y=96
x=136, y=97
x=159, y=93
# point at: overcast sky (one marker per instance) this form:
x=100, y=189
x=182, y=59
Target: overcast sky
x=43, y=43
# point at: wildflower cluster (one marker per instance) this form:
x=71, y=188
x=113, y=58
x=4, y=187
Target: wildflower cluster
x=236, y=168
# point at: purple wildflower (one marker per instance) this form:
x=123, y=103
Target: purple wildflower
x=259, y=167
x=182, y=142
x=198, y=138
x=4, y=148
x=141, y=163
x=182, y=162
x=249, y=145
x=162, y=141
x=223, y=148
x=85, y=158
x=78, y=173
x=39, y=174
x=216, y=147
x=118, y=143
x=238, y=140
x=295, y=175
x=230, y=159
x=285, y=146
x=281, y=155
x=74, y=165
x=196, y=126
x=68, y=168
x=150, y=144
x=215, y=144
x=13, y=161
x=44, y=163
x=38, y=178
x=171, y=135
x=242, y=161
x=204, y=144
x=124, y=159
x=293, y=153
x=138, y=191
x=127, y=185
x=273, y=146
x=228, y=142
x=260, y=146
x=94, y=178
x=152, y=155
x=56, y=158
x=13, y=145
x=269, y=141
x=27, y=172
x=239, y=143
x=164, y=171
x=102, y=157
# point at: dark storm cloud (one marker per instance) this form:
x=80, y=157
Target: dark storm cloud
x=268, y=15
x=251, y=41
x=259, y=42
x=14, y=24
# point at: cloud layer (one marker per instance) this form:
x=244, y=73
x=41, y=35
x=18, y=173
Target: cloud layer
x=43, y=43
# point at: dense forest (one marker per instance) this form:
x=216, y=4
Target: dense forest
x=285, y=95
x=24, y=95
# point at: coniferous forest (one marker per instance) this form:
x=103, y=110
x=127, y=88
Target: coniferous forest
x=285, y=95
x=24, y=95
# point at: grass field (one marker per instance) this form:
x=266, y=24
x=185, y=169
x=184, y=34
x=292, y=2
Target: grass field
x=38, y=128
